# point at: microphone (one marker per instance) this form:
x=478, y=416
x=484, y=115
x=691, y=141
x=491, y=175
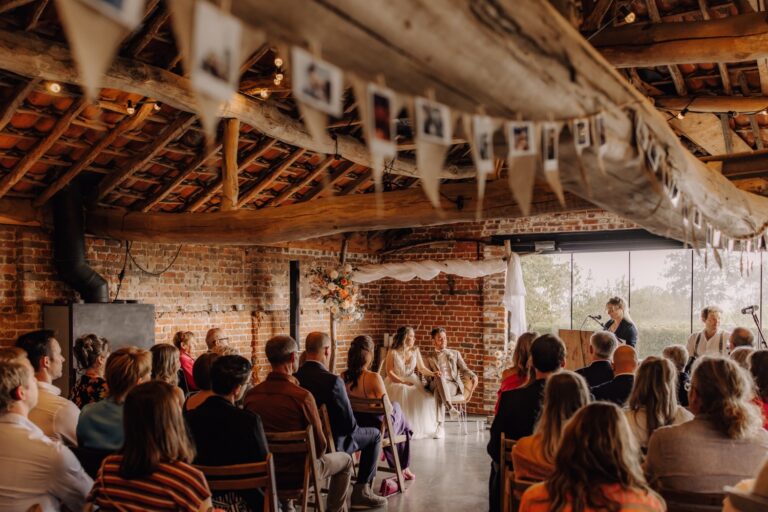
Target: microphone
x=749, y=310
x=595, y=317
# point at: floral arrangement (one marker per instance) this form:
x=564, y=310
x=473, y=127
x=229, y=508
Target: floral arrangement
x=334, y=287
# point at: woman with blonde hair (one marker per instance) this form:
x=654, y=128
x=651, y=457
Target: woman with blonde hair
x=166, y=366
x=564, y=394
x=156, y=456
x=596, y=468
x=185, y=341
x=91, y=354
x=727, y=428
x=653, y=401
x=621, y=323
x=520, y=372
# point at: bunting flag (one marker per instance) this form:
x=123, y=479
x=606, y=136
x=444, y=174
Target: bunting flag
x=582, y=139
x=95, y=29
x=182, y=24
x=433, y=134
x=522, y=159
x=479, y=130
x=599, y=140
x=550, y=141
x=318, y=87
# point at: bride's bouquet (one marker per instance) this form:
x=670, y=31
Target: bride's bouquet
x=334, y=287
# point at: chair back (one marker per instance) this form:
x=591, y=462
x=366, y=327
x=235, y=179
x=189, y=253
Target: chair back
x=245, y=477
x=684, y=501
x=506, y=472
x=90, y=458
x=327, y=432
x=296, y=443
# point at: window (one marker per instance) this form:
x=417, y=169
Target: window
x=597, y=276
x=548, y=292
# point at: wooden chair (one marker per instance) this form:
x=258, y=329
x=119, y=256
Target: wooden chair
x=507, y=472
x=382, y=407
x=245, y=477
x=460, y=404
x=519, y=486
x=297, y=443
x=327, y=432
x=683, y=501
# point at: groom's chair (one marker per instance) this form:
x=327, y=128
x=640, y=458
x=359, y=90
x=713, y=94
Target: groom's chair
x=459, y=403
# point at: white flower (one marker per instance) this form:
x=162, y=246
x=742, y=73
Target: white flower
x=334, y=274
x=347, y=268
x=331, y=287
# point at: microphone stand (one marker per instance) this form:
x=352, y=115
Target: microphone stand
x=598, y=322
x=761, y=336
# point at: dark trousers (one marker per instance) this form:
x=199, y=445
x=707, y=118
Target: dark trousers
x=368, y=440
x=494, y=488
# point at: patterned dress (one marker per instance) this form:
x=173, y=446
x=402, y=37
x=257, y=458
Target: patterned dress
x=88, y=390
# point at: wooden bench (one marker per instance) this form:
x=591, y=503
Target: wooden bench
x=297, y=443
x=245, y=477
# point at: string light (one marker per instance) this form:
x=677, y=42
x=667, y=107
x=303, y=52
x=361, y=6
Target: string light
x=54, y=87
x=630, y=17
x=279, y=77
x=264, y=93
x=156, y=107
x=277, y=81
x=681, y=115
x=278, y=62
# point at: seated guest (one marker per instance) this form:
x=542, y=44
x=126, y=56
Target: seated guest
x=759, y=369
x=653, y=401
x=534, y=456
x=223, y=434
x=361, y=382
x=13, y=355
x=741, y=337
x=519, y=409
x=752, y=493
x=35, y=470
x=328, y=390
x=101, y=423
x=678, y=354
x=517, y=375
x=601, y=347
x=284, y=406
x=216, y=341
x=741, y=355
x=185, y=341
x=596, y=468
x=722, y=445
x=55, y=415
x=152, y=470
x=91, y=352
x=618, y=389
x=166, y=366
x=202, y=373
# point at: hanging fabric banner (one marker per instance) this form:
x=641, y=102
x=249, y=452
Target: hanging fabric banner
x=550, y=140
x=522, y=159
x=479, y=130
x=95, y=29
x=433, y=133
x=514, y=295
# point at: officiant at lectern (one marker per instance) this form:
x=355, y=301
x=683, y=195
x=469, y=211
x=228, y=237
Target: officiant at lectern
x=621, y=323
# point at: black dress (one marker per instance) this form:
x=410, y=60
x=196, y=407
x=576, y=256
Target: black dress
x=627, y=332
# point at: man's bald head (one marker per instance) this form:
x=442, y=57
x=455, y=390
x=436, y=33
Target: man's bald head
x=742, y=337
x=316, y=341
x=214, y=338
x=624, y=359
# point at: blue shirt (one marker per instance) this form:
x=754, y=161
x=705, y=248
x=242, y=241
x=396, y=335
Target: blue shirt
x=101, y=426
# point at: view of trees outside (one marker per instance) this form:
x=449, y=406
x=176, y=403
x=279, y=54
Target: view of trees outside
x=562, y=289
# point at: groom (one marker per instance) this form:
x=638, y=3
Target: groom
x=458, y=381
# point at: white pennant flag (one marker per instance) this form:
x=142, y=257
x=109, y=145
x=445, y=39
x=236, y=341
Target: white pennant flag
x=318, y=87
x=433, y=132
x=479, y=130
x=522, y=141
x=550, y=140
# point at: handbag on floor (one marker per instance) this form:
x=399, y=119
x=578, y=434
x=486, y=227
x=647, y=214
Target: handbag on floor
x=389, y=486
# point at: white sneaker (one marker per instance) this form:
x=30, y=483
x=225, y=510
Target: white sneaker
x=453, y=413
x=439, y=434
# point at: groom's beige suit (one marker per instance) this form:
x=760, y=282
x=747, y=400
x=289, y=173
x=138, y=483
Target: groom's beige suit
x=458, y=381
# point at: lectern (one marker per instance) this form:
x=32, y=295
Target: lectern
x=577, y=347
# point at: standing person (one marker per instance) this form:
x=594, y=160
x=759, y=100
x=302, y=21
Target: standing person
x=597, y=468
x=185, y=342
x=618, y=389
x=518, y=374
x=216, y=340
x=55, y=415
x=602, y=344
x=153, y=470
x=458, y=381
x=678, y=354
x=405, y=387
x=91, y=352
x=165, y=367
x=35, y=470
x=621, y=323
x=711, y=340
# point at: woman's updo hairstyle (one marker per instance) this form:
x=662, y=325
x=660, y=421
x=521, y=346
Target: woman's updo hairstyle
x=88, y=348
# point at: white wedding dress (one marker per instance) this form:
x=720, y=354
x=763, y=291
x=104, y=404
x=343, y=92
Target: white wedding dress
x=417, y=403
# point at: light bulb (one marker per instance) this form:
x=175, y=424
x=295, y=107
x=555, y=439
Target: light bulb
x=264, y=93
x=277, y=81
x=630, y=18
x=130, y=110
x=279, y=77
x=278, y=62
x=54, y=87
x=763, y=112
x=156, y=106
x=681, y=115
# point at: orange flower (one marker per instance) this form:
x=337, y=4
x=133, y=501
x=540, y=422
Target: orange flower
x=344, y=294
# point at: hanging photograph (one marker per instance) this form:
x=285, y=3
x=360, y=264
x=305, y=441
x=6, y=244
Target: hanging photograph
x=216, y=52
x=433, y=121
x=581, y=134
x=643, y=135
x=549, y=146
x=317, y=83
x=482, y=134
x=599, y=130
x=521, y=137
x=126, y=12
x=653, y=154
x=381, y=103
x=674, y=194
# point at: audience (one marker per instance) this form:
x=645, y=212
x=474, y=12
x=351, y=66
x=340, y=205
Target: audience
x=618, y=389
x=101, y=423
x=723, y=444
x=518, y=374
x=759, y=369
x=678, y=354
x=741, y=355
x=534, y=456
x=185, y=341
x=166, y=366
x=361, y=382
x=216, y=341
x=596, y=468
x=13, y=355
x=741, y=337
x=202, y=373
x=223, y=434
x=36, y=471
x=55, y=415
x=602, y=344
x=152, y=470
x=91, y=353
x=285, y=406
x=653, y=401
x=328, y=390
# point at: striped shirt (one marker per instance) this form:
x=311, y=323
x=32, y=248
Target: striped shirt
x=173, y=486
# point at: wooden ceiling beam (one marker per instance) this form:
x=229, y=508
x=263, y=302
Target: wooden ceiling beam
x=171, y=132
x=126, y=125
x=732, y=39
x=713, y=104
x=361, y=180
x=674, y=71
x=326, y=186
x=269, y=177
x=159, y=18
x=705, y=131
x=35, y=16
x=306, y=180
x=230, y=184
x=15, y=100
x=9, y=5
x=49, y=139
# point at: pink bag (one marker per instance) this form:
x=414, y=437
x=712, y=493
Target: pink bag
x=389, y=486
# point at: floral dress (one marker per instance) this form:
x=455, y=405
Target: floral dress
x=88, y=390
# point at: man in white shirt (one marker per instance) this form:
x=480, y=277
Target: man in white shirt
x=55, y=415
x=34, y=470
x=712, y=340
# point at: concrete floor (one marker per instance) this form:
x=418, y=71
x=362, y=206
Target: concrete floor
x=451, y=473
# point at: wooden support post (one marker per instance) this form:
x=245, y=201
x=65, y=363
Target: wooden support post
x=334, y=344
x=756, y=131
x=295, y=299
x=726, y=126
x=15, y=100
x=229, y=171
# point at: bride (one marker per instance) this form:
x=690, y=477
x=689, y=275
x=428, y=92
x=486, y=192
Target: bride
x=404, y=386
